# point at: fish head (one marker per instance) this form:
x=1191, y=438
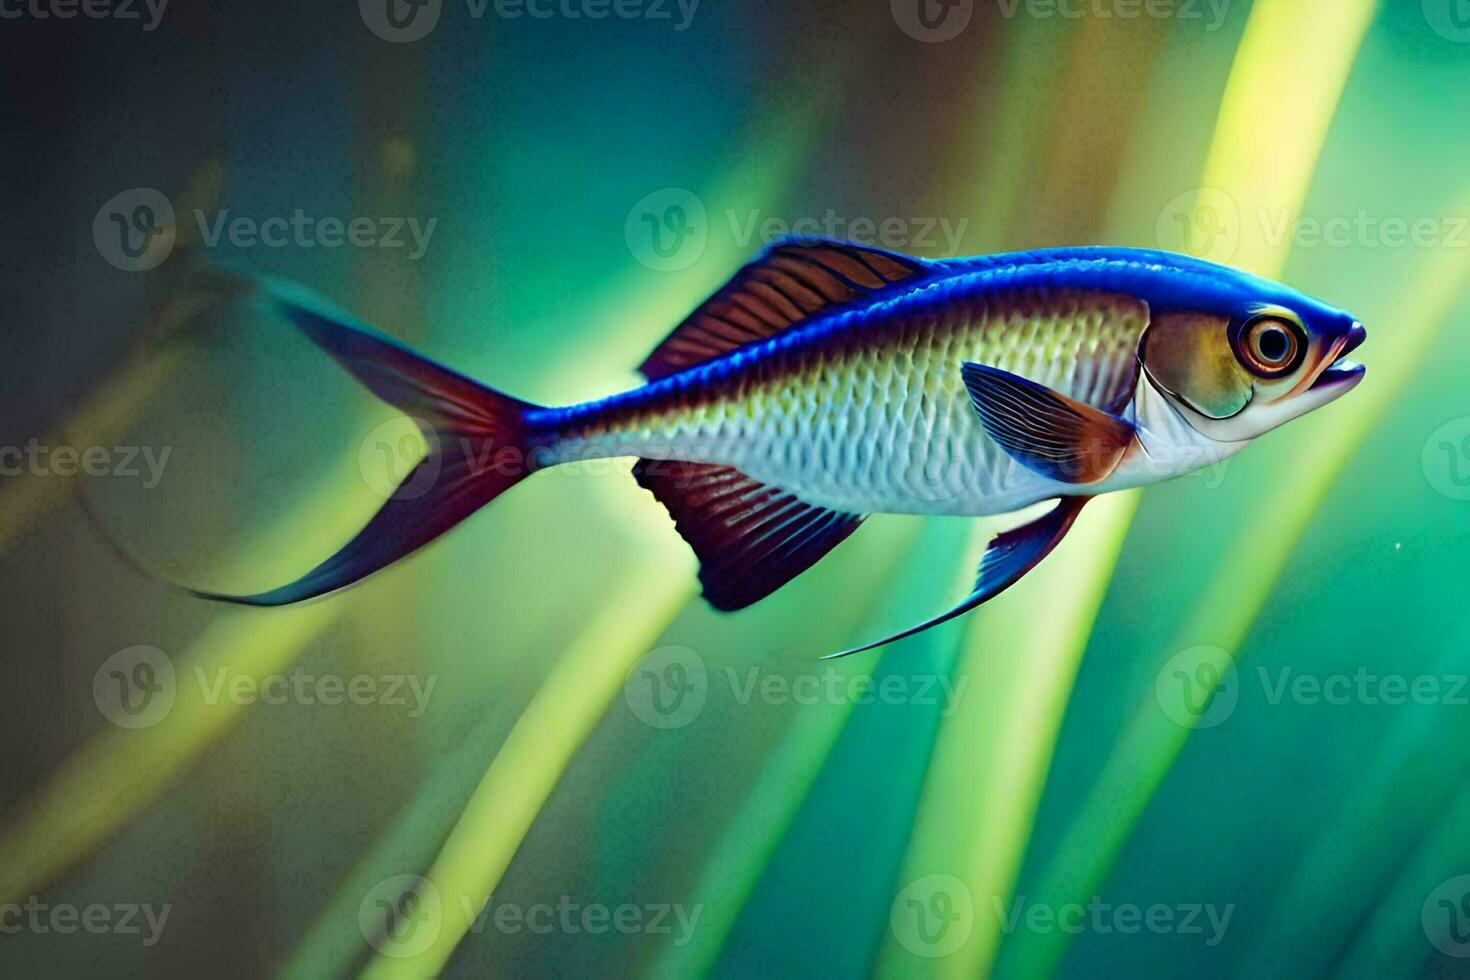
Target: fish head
x=1240, y=361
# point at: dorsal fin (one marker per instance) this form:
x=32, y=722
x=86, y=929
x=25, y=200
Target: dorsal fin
x=750, y=538
x=787, y=283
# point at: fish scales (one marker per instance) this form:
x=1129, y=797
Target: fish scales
x=874, y=416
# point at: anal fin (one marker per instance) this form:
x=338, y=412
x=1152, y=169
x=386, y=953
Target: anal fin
x=1009, y=557
x=750, y=538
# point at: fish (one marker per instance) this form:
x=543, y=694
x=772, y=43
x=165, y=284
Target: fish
x=828, y=381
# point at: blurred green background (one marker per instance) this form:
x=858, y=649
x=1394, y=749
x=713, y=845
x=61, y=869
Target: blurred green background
x=1223, y=731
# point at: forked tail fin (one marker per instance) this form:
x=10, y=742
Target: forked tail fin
x=477, y=440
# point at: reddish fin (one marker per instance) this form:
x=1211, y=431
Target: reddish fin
x=750, y=538
x=1056, y=436
x=788, y=283
x=1010, y=556
x=477, y=438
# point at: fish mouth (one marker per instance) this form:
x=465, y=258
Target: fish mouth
x=1343, y=373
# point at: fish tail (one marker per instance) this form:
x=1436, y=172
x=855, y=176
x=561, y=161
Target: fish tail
x=481, y=443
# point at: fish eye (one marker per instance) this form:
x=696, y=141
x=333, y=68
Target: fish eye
x=1271, y=347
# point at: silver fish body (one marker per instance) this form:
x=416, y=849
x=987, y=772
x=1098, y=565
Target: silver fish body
x=882, y=423
x=827, y=381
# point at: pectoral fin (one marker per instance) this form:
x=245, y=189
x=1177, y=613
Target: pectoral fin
x=1058, y=437
x=1010, y=556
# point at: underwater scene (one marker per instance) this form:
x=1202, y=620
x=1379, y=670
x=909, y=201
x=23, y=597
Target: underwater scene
x=1005, y=509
